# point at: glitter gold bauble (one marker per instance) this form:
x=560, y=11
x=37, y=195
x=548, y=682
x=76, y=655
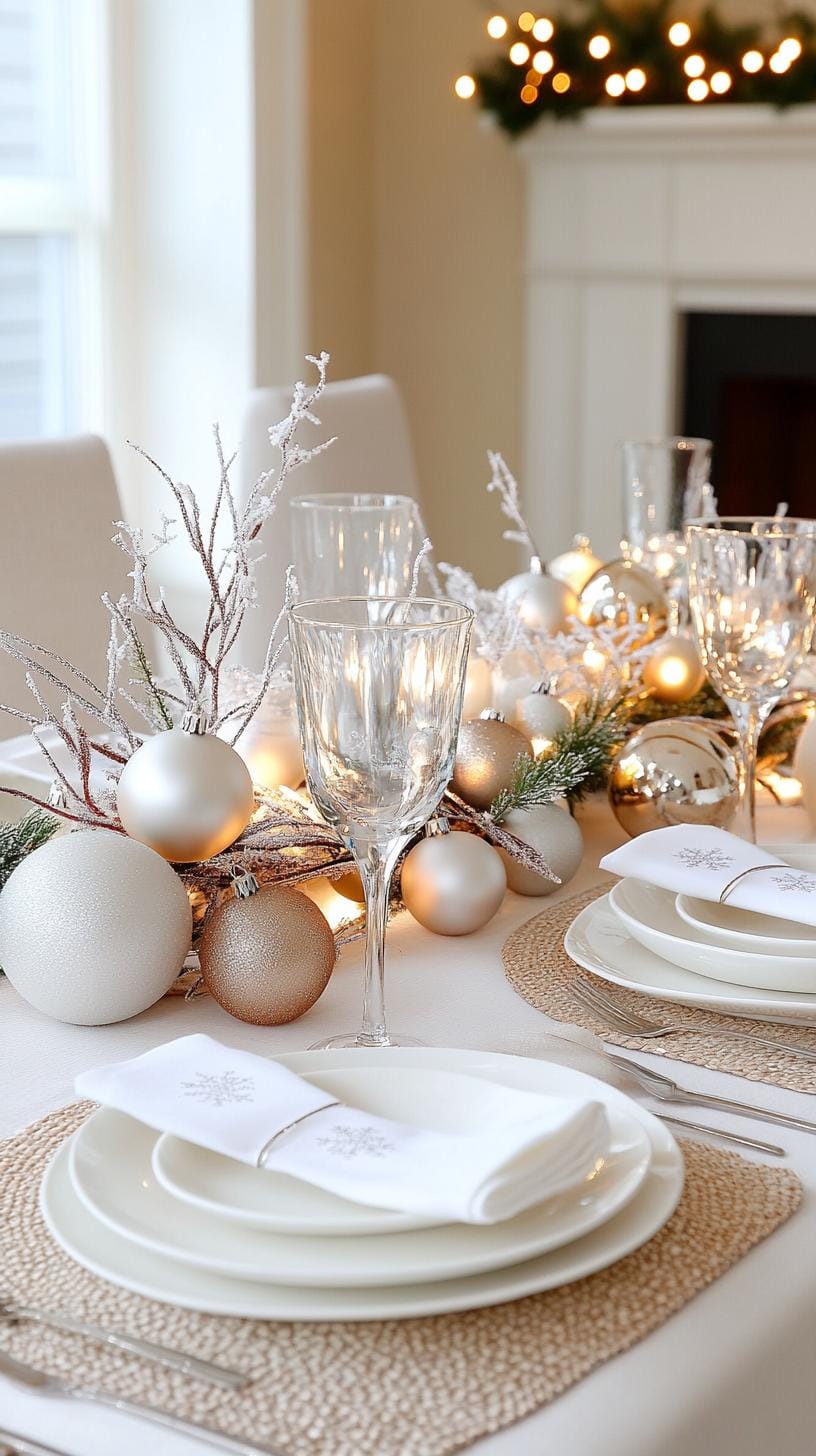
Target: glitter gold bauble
x=266, y=954
x=680, y=771
x=540, y=600
x=185, y=793
x=453, y=882
x=673, y=672
x=551, y=830
x=623, y=592
x=93, y=927
x=486, y=755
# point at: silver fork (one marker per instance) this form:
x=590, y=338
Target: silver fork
x=16, y=1445
x=50, y=1385
x=663, y=1089
x=632, y=1023
x=174, y=1359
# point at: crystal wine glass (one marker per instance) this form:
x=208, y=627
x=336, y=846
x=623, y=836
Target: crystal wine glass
x=664, y=484
x=354, y=545
x=379, y=685
x=752, y=589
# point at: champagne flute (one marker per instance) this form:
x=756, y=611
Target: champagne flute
x=379, y=683
x=752, y=591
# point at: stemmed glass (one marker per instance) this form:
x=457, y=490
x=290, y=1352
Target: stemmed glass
x=664, y=481
x=752, y=590
x=379, y=685
x=354, y=545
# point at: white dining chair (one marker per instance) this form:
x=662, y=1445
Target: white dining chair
x=372, y=453
x=58, y=502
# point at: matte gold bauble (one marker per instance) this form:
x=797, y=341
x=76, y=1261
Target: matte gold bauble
x=576, y=566
x=673, y=672
x=680, y=771
x=486, y=755
x=622, y=592
x=541, y=717
x=185, y=793
x=453, y=882
x=266, y=954
x=551, y=830
x=540, y=600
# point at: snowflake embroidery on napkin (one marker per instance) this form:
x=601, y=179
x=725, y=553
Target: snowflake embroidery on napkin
x=350, y=1142
x=704, y=859
x=220, y=1088
x=790, y=881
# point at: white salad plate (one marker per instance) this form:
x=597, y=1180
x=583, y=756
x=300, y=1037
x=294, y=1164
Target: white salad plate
x=110, y=1167
x=600, y=942
x=132, y=1266
x=650, y=916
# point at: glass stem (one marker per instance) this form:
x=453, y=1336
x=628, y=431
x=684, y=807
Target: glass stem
x=375, y=863
x=749, y=719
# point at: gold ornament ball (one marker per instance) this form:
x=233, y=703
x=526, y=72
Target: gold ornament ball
x=350, y=886
x=486, y=755
x=541, y=601
x=622, y=591
x=575, y=566
x=673, y=672
x=680, y=771
x=550, y=829
x=453, y=883
x=267, y=958
x=187, y=795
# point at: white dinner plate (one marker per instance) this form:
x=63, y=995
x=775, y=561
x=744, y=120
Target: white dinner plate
x=600, y=942
x=650, y=916
x=112, y=1257
x=110, y=1166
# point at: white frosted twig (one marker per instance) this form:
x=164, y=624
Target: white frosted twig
x=504, y=482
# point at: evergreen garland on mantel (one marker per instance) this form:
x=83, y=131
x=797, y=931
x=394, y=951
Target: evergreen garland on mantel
x=648, y=54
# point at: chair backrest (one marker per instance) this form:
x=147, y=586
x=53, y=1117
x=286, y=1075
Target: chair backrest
x=58, y=502
x=372, y=453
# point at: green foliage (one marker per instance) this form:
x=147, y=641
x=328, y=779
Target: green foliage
x=576, y=765
x=18, y=840
x=638, y=35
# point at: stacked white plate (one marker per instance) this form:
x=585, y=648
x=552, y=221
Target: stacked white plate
x=188, y=1227
x=699, y=952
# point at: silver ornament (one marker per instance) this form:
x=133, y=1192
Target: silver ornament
x=540, y=600
x=622, y=593
x=541, y=717
x=554, y=833
x=94, y=927
x=453, y=882
x=679, y=771
x=186, y=794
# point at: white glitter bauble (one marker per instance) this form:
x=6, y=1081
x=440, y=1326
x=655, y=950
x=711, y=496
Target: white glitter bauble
x=514, y=677
x=554, y=833
x=453, y=883
x=94, y=927
x=187, y=795
x=541, y=717
x=540, y=600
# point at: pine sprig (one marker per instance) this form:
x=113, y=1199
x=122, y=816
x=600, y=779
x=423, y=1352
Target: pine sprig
x=576, y=765
x=19, y=840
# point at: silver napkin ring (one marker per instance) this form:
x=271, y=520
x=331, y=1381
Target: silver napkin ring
x=774, y=865
x=267, y=1147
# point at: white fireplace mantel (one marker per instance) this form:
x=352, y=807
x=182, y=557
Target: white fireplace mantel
x=635, y=217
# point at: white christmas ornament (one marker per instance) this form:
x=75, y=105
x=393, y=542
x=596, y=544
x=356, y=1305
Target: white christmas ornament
x=452, y=882
x=551, y=830
x=576, y=566
x=515, y=678
x=94, y=927
x=185, y=793
x=540, y=600
x=541, y=717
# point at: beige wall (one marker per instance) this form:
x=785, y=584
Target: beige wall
x=415, y=227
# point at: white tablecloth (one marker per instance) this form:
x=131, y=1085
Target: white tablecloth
x=734, y=1374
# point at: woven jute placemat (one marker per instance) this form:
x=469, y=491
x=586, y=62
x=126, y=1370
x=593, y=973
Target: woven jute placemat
x=538, y=967
x=419, y=1387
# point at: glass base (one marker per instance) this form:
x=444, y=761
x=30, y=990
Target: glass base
x=356, y=1039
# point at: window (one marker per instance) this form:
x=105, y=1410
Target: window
x=51, y=216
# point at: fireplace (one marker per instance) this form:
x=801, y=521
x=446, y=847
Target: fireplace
x=749, y=383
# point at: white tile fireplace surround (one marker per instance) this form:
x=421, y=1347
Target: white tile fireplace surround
x=634, y=219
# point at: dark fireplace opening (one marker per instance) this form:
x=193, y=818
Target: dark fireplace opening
x=749, y=384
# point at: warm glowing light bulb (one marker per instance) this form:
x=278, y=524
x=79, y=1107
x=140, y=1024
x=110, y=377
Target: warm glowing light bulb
x=542, y=62
x=635, y=79
x=694, y=65
x=615, y=84
x=679, y=33
x=465, y=86
x=791, y=48
x=721, y=82
x=497, y=27
x=529, y=94
x=519, y=53
x=697, y=90
x=543, y=29
x=593, y=659
x=561, y=82
x=526, y=20
x=599, y=46
x=779, y=64
x=752, y=62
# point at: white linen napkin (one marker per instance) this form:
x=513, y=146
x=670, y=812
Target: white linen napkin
x=531, y=1148
x=699, y=860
